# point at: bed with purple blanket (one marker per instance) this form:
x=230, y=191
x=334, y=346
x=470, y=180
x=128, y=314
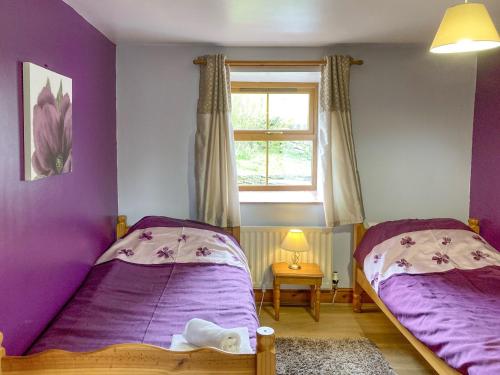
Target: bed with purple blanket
x=439, y=282
x=150, y=283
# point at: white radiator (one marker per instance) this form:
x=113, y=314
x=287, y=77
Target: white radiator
x=262, y=248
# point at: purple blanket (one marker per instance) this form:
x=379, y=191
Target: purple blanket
x=128, y=303
x=454, y=313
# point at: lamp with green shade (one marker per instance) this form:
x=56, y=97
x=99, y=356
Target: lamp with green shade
x=465, y=28
x=295, y=241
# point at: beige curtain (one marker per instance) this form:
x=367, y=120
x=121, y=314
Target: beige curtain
x=338, y=173
x=215, y=162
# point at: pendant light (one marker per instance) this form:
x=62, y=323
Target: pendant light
x=465, y=28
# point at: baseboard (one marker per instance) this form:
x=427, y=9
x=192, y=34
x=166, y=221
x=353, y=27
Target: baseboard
x=301, y=296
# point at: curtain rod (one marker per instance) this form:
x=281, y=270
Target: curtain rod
x=202, y=61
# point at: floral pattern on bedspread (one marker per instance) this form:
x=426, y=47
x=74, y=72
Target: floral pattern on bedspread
x=428, y=251
x=164, y=245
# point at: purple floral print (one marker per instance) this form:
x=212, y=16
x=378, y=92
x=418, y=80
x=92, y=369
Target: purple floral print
x=478, y=255
x=220, y=238
x=407, y=242
x=446, y=240
x=126, y=252
x=52, y=132
x=479, y=238
x=182, y=238
x=441, y=258
x=146, y=236
x=374, y=279
x=377, y=257
x=203, y=251
x=403, y=263
x=165, y=252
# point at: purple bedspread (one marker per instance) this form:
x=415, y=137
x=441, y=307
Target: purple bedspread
x=164, y=221
x=454, y=313
x=383, y=231
x=128, y=303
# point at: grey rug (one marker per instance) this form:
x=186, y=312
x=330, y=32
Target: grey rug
x=304, y=356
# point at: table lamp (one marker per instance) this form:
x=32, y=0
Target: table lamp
x=295, y=241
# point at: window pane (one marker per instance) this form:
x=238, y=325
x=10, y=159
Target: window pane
x=251, y=163
x=288, y=111
x=249, y=111
x=290, y=163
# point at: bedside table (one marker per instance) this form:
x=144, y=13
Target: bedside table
x=310, y=274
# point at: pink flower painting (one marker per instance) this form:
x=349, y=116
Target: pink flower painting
x=48, y=125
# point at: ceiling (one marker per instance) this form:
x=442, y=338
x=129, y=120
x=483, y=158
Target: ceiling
x=268, y=22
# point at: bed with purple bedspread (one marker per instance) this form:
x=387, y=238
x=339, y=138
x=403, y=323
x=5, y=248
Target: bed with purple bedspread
x=149, y=284
x=442, y=282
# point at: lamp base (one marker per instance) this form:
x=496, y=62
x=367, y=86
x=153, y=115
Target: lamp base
x=295, y=261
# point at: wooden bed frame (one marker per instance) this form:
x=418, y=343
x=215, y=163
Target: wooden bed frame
x=138, y=359
x=361, y=284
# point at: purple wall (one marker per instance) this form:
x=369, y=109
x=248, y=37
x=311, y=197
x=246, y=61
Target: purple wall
x=485, y=177
x=53, y=229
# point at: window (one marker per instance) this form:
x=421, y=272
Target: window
x=275, y=135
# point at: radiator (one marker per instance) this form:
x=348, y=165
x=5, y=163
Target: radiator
x=262, y=248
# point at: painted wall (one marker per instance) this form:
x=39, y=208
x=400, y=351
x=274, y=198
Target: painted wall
x=412, y=117
x=53, y=229
x=485, y=179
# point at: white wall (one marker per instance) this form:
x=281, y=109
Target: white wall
x=412, y=117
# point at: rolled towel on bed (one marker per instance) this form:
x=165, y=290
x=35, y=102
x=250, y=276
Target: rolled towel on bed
x=201, y=332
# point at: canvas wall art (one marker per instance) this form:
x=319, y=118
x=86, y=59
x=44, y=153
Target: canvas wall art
x=48, y=136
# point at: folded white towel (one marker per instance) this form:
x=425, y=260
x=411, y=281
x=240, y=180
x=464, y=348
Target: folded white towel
x=179, y=343
x=201, y=332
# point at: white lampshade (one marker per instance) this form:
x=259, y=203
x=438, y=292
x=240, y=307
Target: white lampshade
x=465, y=28
x=295, y=240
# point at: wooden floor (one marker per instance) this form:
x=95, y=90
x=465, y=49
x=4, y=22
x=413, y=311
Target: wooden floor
x=339, y=321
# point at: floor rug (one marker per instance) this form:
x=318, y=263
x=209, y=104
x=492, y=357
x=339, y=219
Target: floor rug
x=305, y=356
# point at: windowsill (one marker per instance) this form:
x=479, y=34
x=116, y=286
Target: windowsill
x=279, y=197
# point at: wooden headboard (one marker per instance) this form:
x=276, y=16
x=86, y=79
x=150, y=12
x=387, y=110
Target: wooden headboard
x=122, y=228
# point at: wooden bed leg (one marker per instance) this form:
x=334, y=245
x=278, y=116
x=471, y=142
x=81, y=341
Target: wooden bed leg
x=356, y=297
x=357, y=291
x=266, y=351
x=2, y=352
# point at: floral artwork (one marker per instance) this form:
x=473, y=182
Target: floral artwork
x=403, y=263
x=441, y=258
x=48, y=121
x=479, y=238
x=182, y=238
x=407, y=242
x=478, y=255
x=446, y=241
x=220, y=237
x=126, y=252
x=203, y=251
x=146, y=235
x=165, y=252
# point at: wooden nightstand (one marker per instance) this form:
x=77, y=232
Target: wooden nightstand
x=309, y=274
